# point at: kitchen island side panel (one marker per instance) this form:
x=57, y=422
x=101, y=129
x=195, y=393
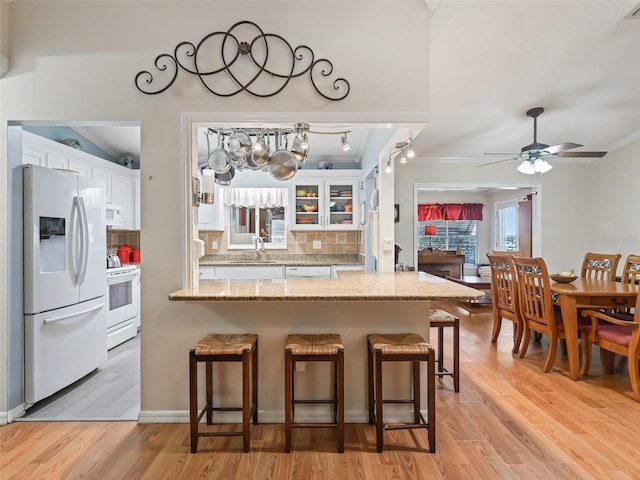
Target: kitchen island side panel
x=272, y=322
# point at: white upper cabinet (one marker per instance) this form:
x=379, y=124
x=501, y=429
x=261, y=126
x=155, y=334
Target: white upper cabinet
x=325, y=201
x=211, y=215
x=122, y=185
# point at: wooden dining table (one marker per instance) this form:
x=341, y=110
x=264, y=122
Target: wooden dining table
x=588, y=292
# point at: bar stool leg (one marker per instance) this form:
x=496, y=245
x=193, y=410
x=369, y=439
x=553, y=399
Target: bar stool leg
x=440, y=350
x=378, y=401
x=209, y=391
x=288, y=390
x=415, y=367
x=193, y=401
x=431, y=402
x=254, y=383
x=246, y=407
x=340, y=399
x=456, y=355
x=370, y=384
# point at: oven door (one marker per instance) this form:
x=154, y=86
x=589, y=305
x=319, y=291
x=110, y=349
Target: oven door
x=122, y=298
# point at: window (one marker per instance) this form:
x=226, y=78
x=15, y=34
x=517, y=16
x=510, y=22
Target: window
x=256, y=212
x=245, y=223
x=451, y=235
x=506, y=226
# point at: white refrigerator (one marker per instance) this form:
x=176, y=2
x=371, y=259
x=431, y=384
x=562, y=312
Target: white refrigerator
x=65, y=316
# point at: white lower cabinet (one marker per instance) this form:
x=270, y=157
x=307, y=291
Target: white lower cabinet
x=241, y=272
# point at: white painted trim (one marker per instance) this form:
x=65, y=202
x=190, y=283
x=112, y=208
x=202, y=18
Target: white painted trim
x=4, y=65
x=12, y=415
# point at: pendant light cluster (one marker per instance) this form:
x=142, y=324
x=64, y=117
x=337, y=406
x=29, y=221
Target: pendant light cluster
x=401, y=152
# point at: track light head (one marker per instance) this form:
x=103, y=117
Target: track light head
x=345, y=144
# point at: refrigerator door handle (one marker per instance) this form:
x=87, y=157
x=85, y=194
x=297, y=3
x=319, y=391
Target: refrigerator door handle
x=85, y=239
x=72, y=315
x=76, y=221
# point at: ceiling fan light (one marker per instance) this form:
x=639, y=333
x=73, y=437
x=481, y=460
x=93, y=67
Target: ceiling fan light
x=305, y=141
x=403, y=157
x=388, y=167
x=526, y=167
x=541, y=166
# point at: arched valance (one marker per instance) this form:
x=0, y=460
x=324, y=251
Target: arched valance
x=255, y=197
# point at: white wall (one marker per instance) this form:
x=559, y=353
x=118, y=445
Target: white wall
x=77, y=61
x=613, y=212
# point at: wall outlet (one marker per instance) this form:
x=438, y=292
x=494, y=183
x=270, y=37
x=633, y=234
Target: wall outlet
x=301, y=367
x=214, y=245
x=317, y=244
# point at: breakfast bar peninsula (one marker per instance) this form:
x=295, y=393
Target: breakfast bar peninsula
x=353, y=305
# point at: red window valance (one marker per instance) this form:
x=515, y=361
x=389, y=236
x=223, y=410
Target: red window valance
x=449, y=211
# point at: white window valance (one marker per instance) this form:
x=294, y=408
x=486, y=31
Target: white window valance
x=255, y=197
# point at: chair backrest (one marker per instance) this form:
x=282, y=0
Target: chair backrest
x=601, y=266
x=504, y=283
x=631, y=269
x=534, y=291
x=511, y=253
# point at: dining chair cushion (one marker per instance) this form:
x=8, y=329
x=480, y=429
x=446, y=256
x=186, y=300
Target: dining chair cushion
x=615, y=333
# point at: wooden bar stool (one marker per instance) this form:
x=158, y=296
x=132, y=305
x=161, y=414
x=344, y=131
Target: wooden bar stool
x=314, y=348
x=440, y=319
x=224, y=348
x=406, y=347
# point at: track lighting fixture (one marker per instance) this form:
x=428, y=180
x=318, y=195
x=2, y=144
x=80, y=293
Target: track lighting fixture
x=345, y=144
x=403, y=150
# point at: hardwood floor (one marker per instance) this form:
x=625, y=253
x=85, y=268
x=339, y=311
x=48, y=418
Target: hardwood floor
x=509, y=421
x=112, y=392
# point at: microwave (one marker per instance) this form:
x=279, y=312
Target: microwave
x=114, y=214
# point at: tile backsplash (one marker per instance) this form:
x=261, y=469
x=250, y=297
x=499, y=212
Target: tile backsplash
x=116, y=238
x=298, y=241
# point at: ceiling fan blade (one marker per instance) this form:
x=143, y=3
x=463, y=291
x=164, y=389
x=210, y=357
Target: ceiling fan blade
x=582, y=154
x=562, y=147
x=497, y=161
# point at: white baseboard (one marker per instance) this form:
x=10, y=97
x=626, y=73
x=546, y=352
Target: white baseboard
x=4, y=68
x=11, y=415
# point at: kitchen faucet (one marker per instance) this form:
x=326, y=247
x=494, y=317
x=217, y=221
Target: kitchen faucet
x=260, y=242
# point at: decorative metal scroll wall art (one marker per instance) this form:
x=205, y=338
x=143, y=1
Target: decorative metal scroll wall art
x=220, y=71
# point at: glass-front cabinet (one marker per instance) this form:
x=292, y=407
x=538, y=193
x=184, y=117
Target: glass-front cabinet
x=325, y=204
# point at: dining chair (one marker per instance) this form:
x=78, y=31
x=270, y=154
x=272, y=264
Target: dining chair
x=613, y=336
x=536, y=306
x=504, y=293
x=600, y=266
x=630, y=275
x=631, y=270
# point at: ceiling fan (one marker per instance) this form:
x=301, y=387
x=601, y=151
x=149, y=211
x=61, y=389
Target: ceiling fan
x=534, y=156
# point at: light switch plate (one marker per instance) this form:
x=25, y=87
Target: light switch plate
x=214, y=245
x=317, y=244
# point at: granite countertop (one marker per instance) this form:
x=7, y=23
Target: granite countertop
x=268, y=258
x=350, y=285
